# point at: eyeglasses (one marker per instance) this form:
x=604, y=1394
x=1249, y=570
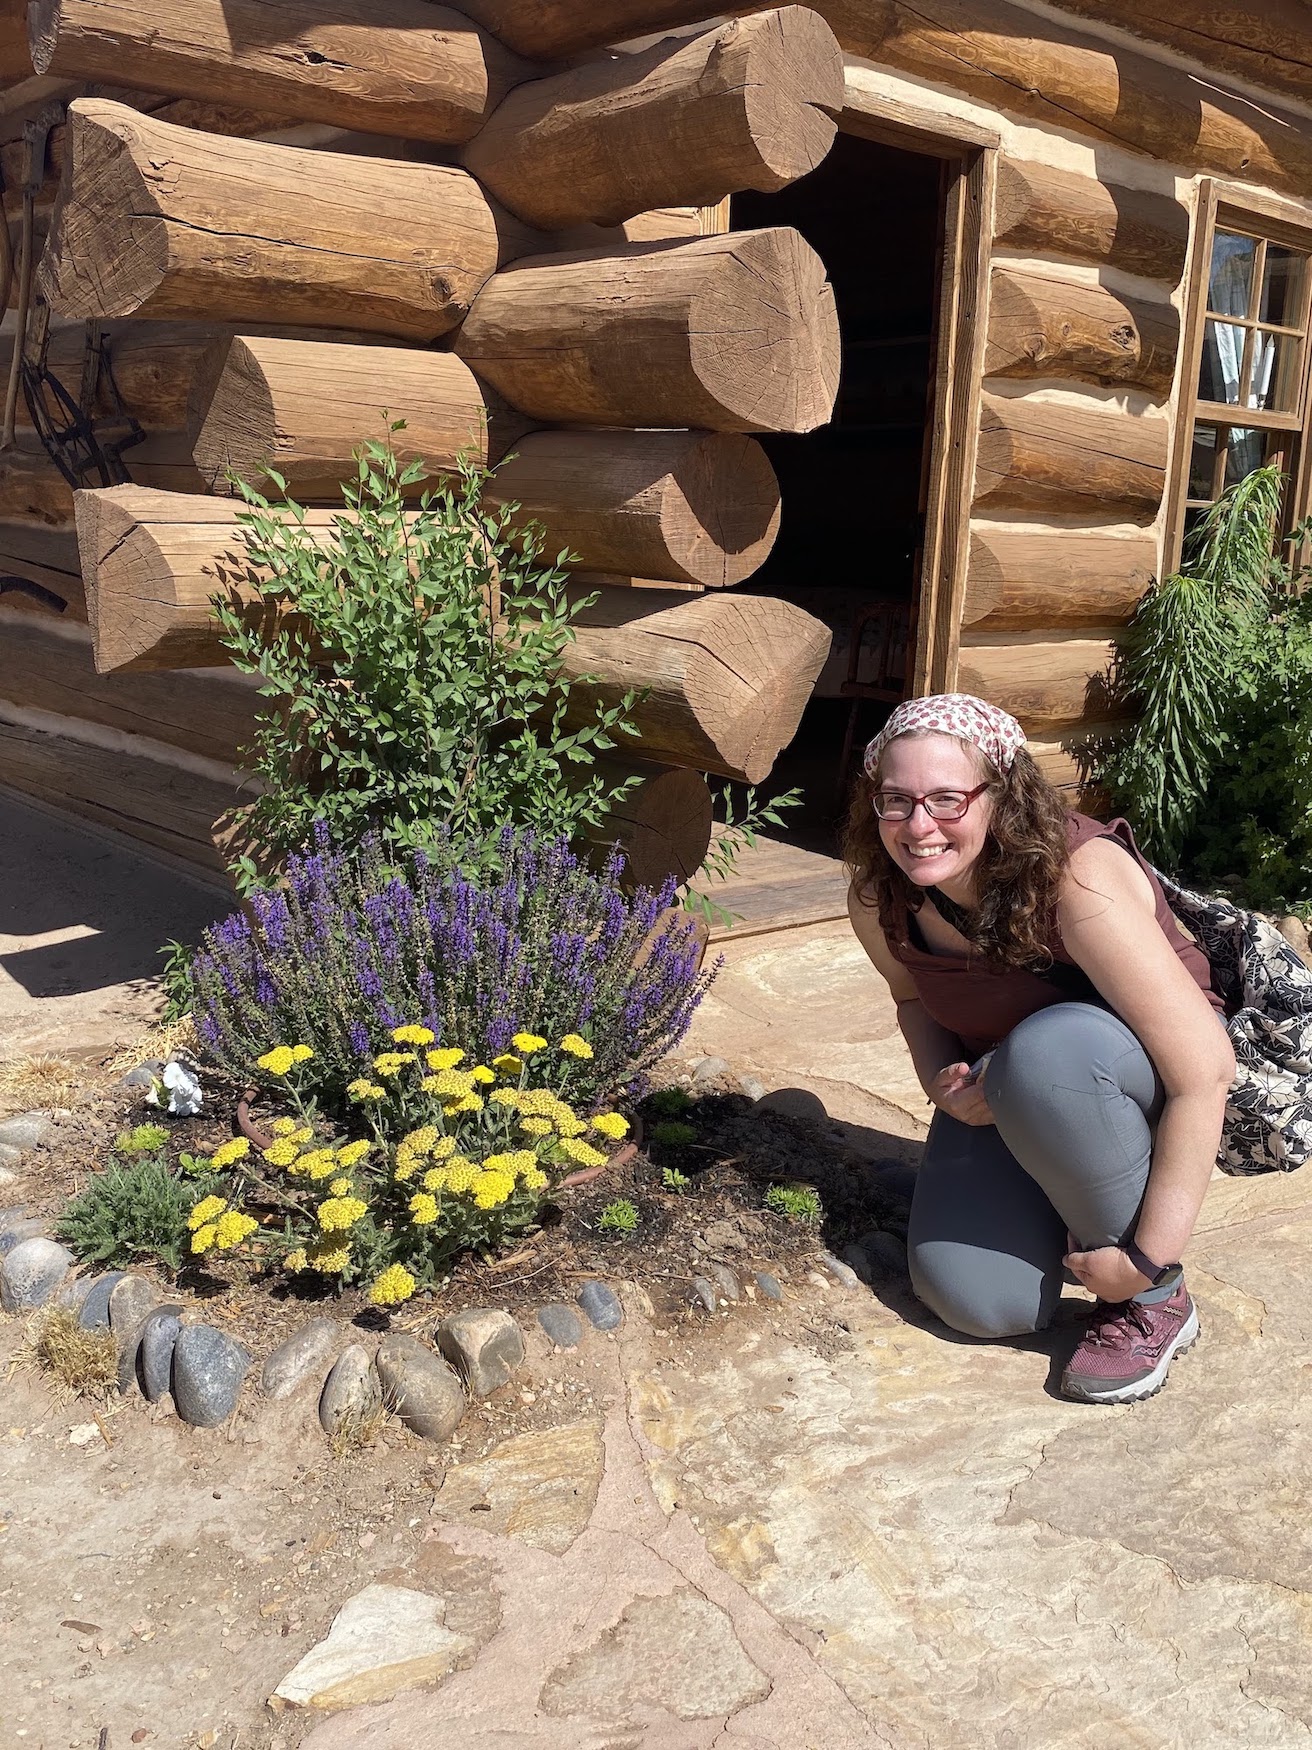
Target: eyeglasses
x=938, y=805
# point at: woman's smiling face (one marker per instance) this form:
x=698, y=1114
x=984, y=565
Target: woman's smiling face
x=934, y=853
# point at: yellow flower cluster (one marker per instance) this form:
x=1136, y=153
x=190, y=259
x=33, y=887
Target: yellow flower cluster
x=447, y=1057
x=393, y=1286
x=320, y=1163
x=535, y=1126
x=492, y=1189
x=336, y=1214
x=283, y=1126
x=451, y=1177
x=352, y=1153
x=508, y=1064
x=363, y=1089
x=527, y=1043
x=387, y=1063
x=212, y=1223
x=423, y=1209
x=205, y=1211
x=483, y=1075
x=280, y=1059
x=576, y=1045
x=329, y=1256
x=542, y=1103
x=296, y=1260
x=504, y=1097
x=341, y=1187
x=228, y=1153
x=581, y=1153
x=610, y=1124
x=411, y=1034
x=449, y=1084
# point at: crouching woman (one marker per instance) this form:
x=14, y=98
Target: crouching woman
x=1065, y=1028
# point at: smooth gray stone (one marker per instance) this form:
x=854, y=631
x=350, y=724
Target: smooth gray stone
x=602, y=1305
x=561, y=1323
x=351, y=1390
x=159, y=1334
x=25, y=1131
x=31, y=1273
x=844, y=1272
x=754, y=1089
x=307, y=1354
x=15, y=1212
x=425, y=1393
x=143, y=1075
x=886, y=1252
x=94, y=1315
x=855, y=1256
x=709, y=1068
x=726, y=1281
x=703, y=1291
x=73, y=1295
x=31, y=1228
x=208, y=1369
x=769, y=1285
x=485, y=1344
x=897, y=1180
x=9, y=1155
x=129, y=1302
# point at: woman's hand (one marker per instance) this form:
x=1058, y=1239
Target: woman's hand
x=1106, y=1272
x=953, y=1092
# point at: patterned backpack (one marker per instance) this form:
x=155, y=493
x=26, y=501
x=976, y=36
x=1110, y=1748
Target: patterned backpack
x=1268, y=997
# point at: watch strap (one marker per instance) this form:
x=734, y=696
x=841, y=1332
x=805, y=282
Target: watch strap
x=1156, y=1273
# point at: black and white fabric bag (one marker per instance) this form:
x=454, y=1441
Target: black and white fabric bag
x=1268, y=997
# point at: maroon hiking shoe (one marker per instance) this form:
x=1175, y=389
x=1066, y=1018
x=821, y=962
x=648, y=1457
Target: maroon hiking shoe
x=1127, y=1351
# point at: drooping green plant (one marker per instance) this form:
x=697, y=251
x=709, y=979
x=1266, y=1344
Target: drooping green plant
x=412, y=670
x=1190, y=656
x=130, y=1211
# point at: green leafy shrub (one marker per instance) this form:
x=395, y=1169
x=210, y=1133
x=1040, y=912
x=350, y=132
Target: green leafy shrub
x=619, y=1217
x=671, y=1102
x=674, y=1180
x=739, y=833
x=175, y=977
x=145, y=1139
x=671, y=1134
x=797, y=1203
x=412, y=671
x=1216, y=774
x=444, y=1155
x=135, y=1210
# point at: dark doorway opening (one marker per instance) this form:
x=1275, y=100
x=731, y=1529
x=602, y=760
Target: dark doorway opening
x=854, y=492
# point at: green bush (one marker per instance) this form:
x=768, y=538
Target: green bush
x=399, y=694
x=145, y=1139
x=136, y=1210
x=619, y=1217
x=176, y=980
x=672, y=1135
x=797, y=1203
x=669, y=1102
x=674, y=1180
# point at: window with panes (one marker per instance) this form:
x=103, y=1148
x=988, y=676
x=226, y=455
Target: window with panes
x=1252, y=389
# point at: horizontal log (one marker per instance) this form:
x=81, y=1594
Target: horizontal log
x=547, y=30
x=660, y=225
x=1268, y=42
x=47, y=666
x=303, y=407
x=1045, y=684
x=1042, y=326
x=1034, y=456
x=728, y=333
x=749, y=104
x=15, y=56
x=31, y=488
x=725, y=677
x=171, y=807
x=1022, y=578
x=1042, y=211
x=158, y=220
x=48, y=558
x=402, y=67
x=1071, y=761
x=688, y=507
x=663, y=825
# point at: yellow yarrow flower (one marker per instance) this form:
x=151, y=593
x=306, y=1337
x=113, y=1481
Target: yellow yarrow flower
x=419, y=1141
x=232, y=1228
x=449, y=1083
x=492, y=1189
x=535, y=1126
x=576, y=1045
x=295, y=1260
x=405, y=1167
x=535, y=1180
x=278, y=1061
x=228, y=1152
x=283, y=1126
x=443, y=1148
x=341, y=1187
x=393, y=1286
x=353, y=1152
x=611, y=1124
x=387, y=1063
x=339, y=1213
x=208, y=1209
x=460, y=1174
x=302, y=1053
x=582, y=1153
x=508, y=1064
x=363, y=1089
x=321, y=1163
x=435, y=1179
x=423, y=1209
x=445, y=1057
x=504, y=1097
x=466, y=1103
x=330, y=1256
x=283, y=1152
x=204, y=1237
x=527, y=1043
x=568, y=1125
x=481, y=1073
x=412, y=1034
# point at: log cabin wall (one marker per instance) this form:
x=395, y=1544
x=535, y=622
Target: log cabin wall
x=521, y=145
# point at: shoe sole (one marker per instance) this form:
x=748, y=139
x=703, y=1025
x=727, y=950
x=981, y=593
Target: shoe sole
x=1138, y=1390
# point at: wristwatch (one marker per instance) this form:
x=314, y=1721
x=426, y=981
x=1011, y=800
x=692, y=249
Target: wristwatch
x=1157, y=1274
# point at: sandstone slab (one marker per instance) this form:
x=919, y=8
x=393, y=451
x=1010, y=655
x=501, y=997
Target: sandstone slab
x=539, y=1488
x=384, y=1640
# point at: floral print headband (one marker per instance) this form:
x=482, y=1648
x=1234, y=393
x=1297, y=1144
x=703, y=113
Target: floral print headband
x=994, y=732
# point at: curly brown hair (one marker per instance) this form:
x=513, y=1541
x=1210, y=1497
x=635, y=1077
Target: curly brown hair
x=1018, y=873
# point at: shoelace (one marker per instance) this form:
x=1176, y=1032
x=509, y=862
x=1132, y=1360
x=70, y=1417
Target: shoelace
x=1112, y=1323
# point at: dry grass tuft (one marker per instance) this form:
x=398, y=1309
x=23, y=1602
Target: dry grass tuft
x=84, y=1362
x=359, y=1430
x=161, y=1041
x=27, y=1083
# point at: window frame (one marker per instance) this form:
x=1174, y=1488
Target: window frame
x=1222, y=208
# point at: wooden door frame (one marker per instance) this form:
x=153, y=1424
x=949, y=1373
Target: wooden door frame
x=959, y=366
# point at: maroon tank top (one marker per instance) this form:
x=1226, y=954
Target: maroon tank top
x=981, y=1005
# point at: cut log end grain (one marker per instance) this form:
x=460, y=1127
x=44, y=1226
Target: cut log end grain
x=168, y=222
x=663, y=825
x=685, y=507
x=728, y=333
x=749, y=104
x=304, y=407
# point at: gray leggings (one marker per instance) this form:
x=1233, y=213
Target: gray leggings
x=1075, y=1099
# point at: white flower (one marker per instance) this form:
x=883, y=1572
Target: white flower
x=182, y=1085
